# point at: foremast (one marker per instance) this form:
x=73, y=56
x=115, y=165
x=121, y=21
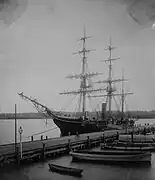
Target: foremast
x=84, y=76
x=110, y=81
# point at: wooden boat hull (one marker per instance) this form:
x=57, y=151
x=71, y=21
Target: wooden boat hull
x=65, y=170
x=138, y=142
x=138, y=158
x=73, y=126
x=128, y=148
x=134, y=144
x=110, y=152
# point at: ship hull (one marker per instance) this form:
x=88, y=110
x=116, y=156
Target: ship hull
x=72, y=126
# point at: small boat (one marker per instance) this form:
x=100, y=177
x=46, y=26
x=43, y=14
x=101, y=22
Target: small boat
x=139, y=144
x=113, y=157
x=127, y=147
x=110, y=152
x=131, y=144
x=137, y=138
x=138, y=141
x=65, y=170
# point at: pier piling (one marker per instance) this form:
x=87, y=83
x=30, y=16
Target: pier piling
x=43, y=151
x=88, y=142
x=117, y=136
x=18, y=156
x=69, y=146
x=131, y=136
x=41, y=137
x=103, y=138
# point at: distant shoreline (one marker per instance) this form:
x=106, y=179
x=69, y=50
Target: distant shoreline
x=135, y=114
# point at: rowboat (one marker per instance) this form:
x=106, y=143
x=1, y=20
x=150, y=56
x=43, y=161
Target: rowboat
x=131, y=144
x=110, y=152
x=127, y=147
x=65, y=170
x=137, y=138
x=113, y=157
x=138, y=144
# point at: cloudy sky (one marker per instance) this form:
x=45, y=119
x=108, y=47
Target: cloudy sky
x=37, y=39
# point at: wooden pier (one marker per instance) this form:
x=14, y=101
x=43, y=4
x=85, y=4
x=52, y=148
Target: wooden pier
x=44, y=148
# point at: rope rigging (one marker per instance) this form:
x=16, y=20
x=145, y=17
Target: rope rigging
x=68, y=103
x=42, y=132
x=75, y=111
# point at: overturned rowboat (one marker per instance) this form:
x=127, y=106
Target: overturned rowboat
x=65, y=170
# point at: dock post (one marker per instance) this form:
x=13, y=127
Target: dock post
x=77, y=134
x=69, y=146
x=117, y=136
x=20, y=132
x=103, y=138
x=43, y=151
x=41, y=137
x=18, y=157
x=88, y=142
x=31, y=138
x=131, y=136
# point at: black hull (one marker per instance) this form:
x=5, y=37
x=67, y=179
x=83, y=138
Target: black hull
x=72, y=126
x=65, y=170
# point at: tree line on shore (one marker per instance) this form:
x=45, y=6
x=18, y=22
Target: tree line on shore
x=135, y=114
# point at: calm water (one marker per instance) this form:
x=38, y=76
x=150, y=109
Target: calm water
x=40, y=171
x=36, y=126
x=29, y=126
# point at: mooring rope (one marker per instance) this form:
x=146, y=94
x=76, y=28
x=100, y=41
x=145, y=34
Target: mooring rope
x=42, y=132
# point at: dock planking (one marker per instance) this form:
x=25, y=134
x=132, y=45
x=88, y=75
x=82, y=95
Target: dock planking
x=37, y=144
x=57, y=145
x=32, y=145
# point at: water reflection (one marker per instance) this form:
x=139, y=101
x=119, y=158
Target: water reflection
x=40, y=171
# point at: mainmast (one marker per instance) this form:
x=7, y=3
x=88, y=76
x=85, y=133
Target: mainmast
x=84, y=76
x=110, y=81
x=83, y=82
x=122, y=98
x=110, y=89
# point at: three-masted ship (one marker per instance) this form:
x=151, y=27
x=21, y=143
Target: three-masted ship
x=83, y=122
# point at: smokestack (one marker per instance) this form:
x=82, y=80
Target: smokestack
x=103, y=113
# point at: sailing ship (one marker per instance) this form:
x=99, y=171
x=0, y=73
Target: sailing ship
x=83, y=122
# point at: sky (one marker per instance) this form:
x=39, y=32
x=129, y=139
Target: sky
x=38, y=39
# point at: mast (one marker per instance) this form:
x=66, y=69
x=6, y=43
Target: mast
x=83, y=81
x=84, y=76
x=110, y=81
x=110, y=89
x=122, y=94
